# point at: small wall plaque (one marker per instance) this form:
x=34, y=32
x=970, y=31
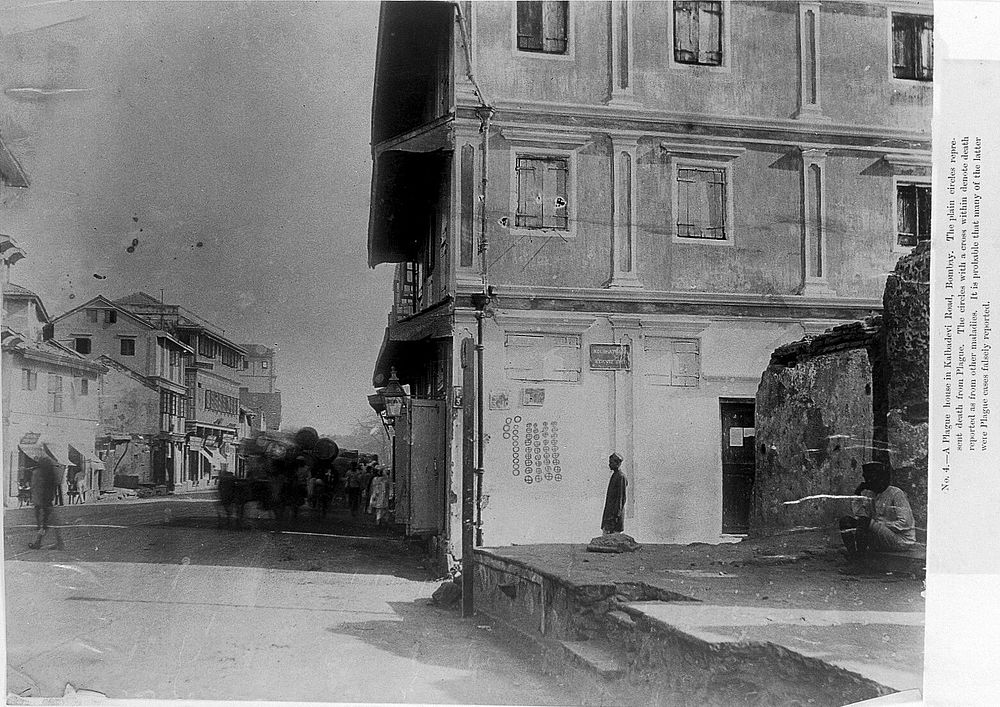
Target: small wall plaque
x=533, y=397
x=456, y=396
x=609, y=357
x=500, y=400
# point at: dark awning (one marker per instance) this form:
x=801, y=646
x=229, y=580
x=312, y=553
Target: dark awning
x=35, y=452
x=407, y=338
x=404, y=193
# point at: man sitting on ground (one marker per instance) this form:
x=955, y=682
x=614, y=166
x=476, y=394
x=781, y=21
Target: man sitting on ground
x=884, y=522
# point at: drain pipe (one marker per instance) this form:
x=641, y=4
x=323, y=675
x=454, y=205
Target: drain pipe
x=485, y=114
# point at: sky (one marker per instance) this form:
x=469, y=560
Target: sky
x=230, y=142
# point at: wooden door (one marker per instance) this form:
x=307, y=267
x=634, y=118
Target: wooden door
x=426, y=465
x=738, y=437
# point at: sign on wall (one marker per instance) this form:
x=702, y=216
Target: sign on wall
x=534, y=449
x=610, y=357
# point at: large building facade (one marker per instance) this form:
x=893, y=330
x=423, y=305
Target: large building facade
x=50, y=399
x=143, y=396
x=259, y=392
x=672, y=190
x=212, y=387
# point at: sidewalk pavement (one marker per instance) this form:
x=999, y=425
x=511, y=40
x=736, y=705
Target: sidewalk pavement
x=792, y=591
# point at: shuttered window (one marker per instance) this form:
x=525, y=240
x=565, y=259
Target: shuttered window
x=542, y=200
x=542, y=26
x=913, y=214
x=55, y=393
x=543, y=357
x=913, y=47
x=701, y=203
x=672, y=361
x=698, y=32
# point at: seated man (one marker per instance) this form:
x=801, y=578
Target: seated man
x=884, y=522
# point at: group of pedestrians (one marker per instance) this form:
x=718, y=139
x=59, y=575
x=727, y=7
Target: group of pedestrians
x=368, y=488
x=67, y=487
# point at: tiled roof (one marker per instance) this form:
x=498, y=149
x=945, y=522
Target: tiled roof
x=257, y=349
x=9, y=288
x=138, y=299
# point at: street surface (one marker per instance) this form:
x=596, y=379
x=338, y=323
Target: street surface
x=151, y=599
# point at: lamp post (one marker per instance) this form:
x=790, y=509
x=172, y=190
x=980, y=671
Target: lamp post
x=389, y=403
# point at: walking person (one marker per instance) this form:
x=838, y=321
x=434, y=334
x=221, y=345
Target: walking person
x=59, y=492
x=354, y=489
x=44, y=481
x=81, y=486
x=381, y=494
x=613, y=520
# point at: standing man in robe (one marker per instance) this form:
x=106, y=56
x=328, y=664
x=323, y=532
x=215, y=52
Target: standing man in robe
x=613, y=520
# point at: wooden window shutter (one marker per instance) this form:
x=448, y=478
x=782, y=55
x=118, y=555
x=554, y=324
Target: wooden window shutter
x=555, y=203
x=554, y=23
x=685, y=32
x=923, y=213
x=529, y=25
x=902, y=58
x=709, y=33
x=925, y=47
x=906, y=215
x=529, y=193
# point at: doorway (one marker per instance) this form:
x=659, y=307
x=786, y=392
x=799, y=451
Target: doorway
x=738, y=436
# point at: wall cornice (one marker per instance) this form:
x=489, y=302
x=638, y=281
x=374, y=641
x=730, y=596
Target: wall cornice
x=659, y=124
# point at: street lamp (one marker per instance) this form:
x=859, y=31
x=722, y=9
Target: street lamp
x=394, y=397
x=389, y=403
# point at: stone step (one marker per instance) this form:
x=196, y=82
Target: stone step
x=595, y=657
x=621, y=619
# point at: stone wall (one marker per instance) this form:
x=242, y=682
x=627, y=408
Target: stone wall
x=906, y=315
x=815, y=411
x=829, y=403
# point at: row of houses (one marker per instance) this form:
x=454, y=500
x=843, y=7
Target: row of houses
x=131, y=391
x=629, y=206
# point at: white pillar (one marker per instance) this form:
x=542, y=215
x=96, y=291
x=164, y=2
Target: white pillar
x=623, y=187
x=814, y=260
x=621, y=52
x=809, y=62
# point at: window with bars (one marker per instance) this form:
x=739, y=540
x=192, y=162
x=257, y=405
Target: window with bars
x=230, y=358
x=542, y=192
x=672, y=361
x=913, y=47
x=128, y=347
x=698, y=32
x=701, y=203
x=29, y=379
x=171, y=403
x=543, y=357
x=543, y=26
x=913, y=214
x=217, y=402
x=55, y=393
x=409, y=288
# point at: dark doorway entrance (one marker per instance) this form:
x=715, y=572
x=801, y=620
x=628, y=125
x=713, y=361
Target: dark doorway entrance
x=737, y=463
